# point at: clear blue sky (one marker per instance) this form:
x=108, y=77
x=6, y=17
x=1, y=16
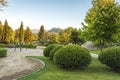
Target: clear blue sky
x=50, y=13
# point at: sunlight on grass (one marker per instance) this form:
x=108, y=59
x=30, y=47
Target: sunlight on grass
x=95, y=71
x=95, y=51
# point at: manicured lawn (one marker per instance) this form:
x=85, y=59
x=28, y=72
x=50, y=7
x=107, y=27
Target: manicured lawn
x=95, y=51
x=95, y=71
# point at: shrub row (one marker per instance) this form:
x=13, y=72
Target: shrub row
x=68, y=57
x=49, y=49
x=29, y=46
x=3, y=45
x=3, y=52
x=54, y=50
x=75, y=57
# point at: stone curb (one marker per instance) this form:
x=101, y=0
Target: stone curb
x=43, y=66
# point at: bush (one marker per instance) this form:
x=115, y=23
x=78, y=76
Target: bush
x=72, y=57
x=48, y=49
x=54, y=50
x=111, y=57
x=3, y=52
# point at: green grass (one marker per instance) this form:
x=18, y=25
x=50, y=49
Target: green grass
x=95, y=51
x=95, y=71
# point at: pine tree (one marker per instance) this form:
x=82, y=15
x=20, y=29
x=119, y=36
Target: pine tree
x=28, y=36
x=21, y=33
x=5, y=35
x=41, y=34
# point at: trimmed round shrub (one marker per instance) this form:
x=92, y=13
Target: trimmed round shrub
x=72, y=57
x=111, y=57
x=3, y=52
x=48, y=49
x=55, y=50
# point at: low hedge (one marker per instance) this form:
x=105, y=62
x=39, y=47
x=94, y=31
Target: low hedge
x=29, y=46
x=3, y=45
x=72, y=57
x=48, y=49
x=3, y=52
x=111, y=57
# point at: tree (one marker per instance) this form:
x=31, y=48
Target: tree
x=11, y=34
x=52, y=38
x=21, y=33
x=28, y=36
x=41, y=34
x=103, y=21
x=3, y=3
x=1, y=31
x=5, y=35
x=16, y=35
x=76, y=37
x=65, y=35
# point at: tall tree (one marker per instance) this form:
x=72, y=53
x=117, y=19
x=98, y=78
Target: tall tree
x=103, y=21
x=16, y=37
x=41, y=34
x=11, y=34
x=28, y=36
x=1, y=31
x=21, y=33
x=5, y=35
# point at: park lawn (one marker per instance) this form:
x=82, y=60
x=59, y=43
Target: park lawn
x=95, y=51
x=95, y=71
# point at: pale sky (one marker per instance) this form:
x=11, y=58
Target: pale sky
x=50, y=13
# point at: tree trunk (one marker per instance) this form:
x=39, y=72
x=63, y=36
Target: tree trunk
x=101, y=47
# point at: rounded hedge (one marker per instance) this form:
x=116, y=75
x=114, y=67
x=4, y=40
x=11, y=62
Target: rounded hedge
x=111, y=57
x=48, y=49
x=55, y=50
x=72, y=57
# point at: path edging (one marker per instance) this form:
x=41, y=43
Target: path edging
x=43, y=66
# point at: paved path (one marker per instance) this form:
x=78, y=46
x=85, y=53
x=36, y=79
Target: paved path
x=94, y=55
x=16, y=62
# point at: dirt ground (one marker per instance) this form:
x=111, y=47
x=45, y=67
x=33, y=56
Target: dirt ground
x=16, y=64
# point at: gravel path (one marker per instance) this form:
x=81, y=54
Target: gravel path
x=16, y=64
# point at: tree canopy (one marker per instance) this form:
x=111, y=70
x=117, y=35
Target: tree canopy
x=103, y=21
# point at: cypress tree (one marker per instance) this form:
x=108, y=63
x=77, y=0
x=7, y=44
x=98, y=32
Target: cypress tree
x=5, y=35
x=41, y=34
x=21, y=33
x=28, y=36
x=16, y=37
